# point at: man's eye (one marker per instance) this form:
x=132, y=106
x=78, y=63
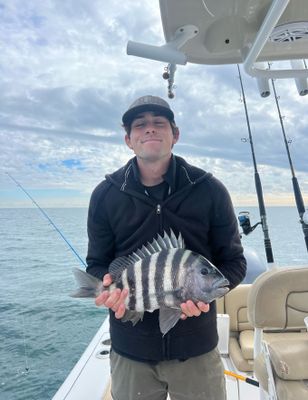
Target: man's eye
x=139, y=125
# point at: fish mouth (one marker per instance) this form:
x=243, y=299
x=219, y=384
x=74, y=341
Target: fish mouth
x=221, y=291
x=221, y=283
x=221, y=288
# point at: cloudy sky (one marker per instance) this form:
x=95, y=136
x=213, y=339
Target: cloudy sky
x=65, y=81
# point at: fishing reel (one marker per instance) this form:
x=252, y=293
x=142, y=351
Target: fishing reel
x=244, y=221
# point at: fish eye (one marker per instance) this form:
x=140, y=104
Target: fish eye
x=204, y=271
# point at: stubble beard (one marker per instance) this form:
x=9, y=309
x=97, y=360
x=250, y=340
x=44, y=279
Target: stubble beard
x=153, y=158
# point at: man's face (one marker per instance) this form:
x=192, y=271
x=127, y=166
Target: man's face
x=151, y=137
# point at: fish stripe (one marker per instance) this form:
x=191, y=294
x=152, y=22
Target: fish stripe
x=168, y=282
x=159, y=275
x=119, y=284
x=138, y=287
x=152, y=291
x=190, y=259
x=125, y=285
x=175, y=269
x=183, y=266
x=131, y=281
x=145, y=269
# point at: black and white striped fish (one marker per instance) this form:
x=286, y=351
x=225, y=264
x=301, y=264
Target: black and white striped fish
x=161, y=275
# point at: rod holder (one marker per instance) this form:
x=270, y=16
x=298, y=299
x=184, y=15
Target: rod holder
x=301, y=83
x=169, y=52
x=251, y=66
x=263, y=83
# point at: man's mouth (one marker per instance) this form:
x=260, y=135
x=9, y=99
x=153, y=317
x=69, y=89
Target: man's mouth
x=151, y=140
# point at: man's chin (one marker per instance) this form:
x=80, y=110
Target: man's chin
x=151, y=157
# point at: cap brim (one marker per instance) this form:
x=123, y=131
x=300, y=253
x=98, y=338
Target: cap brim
x=130, y=115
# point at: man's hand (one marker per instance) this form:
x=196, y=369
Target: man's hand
x=114, y=299
x=190, y=309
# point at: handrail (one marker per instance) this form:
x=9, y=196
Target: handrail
x=272, y=17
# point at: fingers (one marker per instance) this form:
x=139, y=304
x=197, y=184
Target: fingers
x=119, y=300
x=114, y=300
x=204, y=307
x=101, y=299
x=190, y=309
x=120, y=311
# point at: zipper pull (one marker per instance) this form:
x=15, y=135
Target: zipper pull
x=158, y=209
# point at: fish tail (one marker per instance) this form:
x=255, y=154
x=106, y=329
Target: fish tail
x=89, y=285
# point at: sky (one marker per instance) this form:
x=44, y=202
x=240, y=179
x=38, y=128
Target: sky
x=65, y=81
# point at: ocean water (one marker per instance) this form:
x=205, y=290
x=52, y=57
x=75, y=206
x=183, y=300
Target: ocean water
x=44, y=331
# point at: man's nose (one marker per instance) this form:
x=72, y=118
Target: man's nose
x=150, y=126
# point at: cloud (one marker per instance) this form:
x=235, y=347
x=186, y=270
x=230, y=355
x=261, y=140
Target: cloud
x=66, y=81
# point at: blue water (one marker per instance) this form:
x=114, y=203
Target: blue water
x=44, y=331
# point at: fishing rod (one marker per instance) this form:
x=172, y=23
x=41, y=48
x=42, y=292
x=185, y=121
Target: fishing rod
x=296, y=189
x=244, y=219
x=48, y=218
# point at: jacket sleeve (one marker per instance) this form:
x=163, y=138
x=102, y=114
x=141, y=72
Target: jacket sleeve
x=100, y=236
x=224, y=236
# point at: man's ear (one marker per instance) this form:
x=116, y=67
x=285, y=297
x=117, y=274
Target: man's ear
x=127, y=141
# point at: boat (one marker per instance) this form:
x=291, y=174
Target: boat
x=262, y=323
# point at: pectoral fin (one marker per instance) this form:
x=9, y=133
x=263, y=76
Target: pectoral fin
x=168, y=317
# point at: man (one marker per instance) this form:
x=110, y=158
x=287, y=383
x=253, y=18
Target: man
x=156, y=192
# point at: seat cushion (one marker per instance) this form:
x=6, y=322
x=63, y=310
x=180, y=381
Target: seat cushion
x=286, y=390
x=290, y=358
x=236, y=356
x=246, y=343
x=246, y=340
x=290, y=368
x=291, y=390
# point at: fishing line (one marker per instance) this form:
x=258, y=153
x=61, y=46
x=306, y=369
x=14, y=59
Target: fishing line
x=296, y=189
x=49, y=219
x=27, y=368
x=243, y=221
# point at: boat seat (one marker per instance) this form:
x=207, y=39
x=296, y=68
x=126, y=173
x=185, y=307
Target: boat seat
x=290, y=366
x=278, y=300
x=241, y=331
x=220, y=305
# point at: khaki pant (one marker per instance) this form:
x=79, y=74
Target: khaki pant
x=198, y=378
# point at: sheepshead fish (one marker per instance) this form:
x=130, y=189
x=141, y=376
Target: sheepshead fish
x=161, y=275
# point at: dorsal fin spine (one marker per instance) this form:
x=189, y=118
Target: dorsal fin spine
x=158, y=244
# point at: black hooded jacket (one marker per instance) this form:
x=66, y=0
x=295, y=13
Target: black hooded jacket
x=122, y=217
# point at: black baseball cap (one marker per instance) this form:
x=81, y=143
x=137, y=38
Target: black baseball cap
x=147, y=103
